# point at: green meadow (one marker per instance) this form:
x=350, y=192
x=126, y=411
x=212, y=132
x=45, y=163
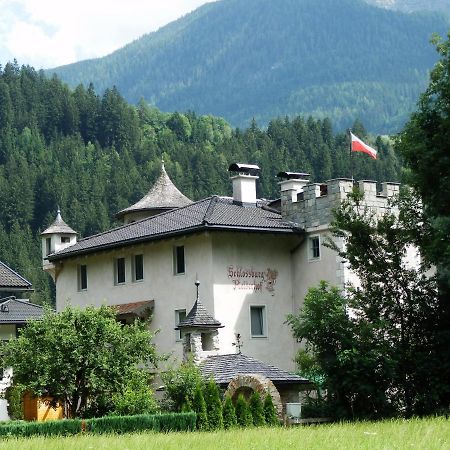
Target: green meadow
x=424, y=434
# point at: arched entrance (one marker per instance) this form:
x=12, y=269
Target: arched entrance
x=247, y=384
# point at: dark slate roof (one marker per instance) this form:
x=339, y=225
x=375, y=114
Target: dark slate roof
x=11, y=280
x=59, y=226
x=163, y=195
x=218, y=213
x=199, y=317
x=223, y=368
x=13, y=310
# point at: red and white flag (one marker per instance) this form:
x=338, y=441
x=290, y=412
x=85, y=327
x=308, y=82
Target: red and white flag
x=359, y=146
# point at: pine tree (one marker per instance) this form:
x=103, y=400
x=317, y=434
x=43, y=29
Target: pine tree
x=213, y=406
x=229, y=414
x=243, y=414
x=200, y=409
x=269, y=411
x=257, y=410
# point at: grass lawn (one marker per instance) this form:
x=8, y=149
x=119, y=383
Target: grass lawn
x=420, y=434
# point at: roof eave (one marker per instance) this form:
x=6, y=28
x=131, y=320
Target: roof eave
x=185, y=231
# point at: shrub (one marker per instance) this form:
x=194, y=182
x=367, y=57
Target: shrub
x=269, y=411
x=243, y=414
x=136, y=398
x=199, y=406
x=180, y=385
x=14, y=397
x=213, y=406
x=257, y=410
x=229, y=414
x=50, y=428
x=102, y=425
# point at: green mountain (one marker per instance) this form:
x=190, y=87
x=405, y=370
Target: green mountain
x=239, y=59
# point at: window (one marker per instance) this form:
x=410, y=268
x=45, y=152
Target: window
x=119, y=271
x=48, y=246
x=138, y=267
x=178, y=260
x=314, y=248
x=258, y=321
x=82, y=277
x=180, y=315
x=65, y=239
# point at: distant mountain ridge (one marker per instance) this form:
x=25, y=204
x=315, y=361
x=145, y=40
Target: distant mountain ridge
x=244, y=59
x=414, y=5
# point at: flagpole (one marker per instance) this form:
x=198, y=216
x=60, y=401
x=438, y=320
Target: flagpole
x=351, y=159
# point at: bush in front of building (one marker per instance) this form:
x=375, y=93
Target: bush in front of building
x=199, y=406
x=229, y=413
x=213, y=405
x=136, y=398
x=50, y=428
x=14, y=397
x=243, y=413
x=102, y=425
x=270, y=413
x=180, y=386
x=257, y=410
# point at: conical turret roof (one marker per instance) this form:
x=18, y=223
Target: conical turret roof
x=59, y=226
x=163, y=196
x=199, y=317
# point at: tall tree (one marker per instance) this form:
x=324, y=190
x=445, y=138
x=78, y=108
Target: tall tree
x=78, y=356
x=424, y=145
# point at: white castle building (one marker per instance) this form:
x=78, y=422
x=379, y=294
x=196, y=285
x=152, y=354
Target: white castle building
x=255, y=260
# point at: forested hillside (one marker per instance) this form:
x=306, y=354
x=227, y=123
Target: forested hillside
x=244, y=59
x=93, y=155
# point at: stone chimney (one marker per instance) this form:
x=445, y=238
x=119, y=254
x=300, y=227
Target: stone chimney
x=244, y=183
x=292, y=184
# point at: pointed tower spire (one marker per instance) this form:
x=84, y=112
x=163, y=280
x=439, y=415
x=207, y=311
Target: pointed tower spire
x=200, y=329
x=163, y=196
x=55, y=238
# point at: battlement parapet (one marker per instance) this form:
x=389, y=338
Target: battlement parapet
x=314, y=205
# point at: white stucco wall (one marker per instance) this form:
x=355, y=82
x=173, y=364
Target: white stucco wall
x=254, y=270
x=170, y=292
x=208, y=257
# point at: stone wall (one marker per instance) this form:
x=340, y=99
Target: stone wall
x=315, y=204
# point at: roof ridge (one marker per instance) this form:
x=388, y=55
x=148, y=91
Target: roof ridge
x=15, y=273
x=209, y=210
x=131, y=224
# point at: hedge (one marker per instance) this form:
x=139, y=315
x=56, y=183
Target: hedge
x=101, y=425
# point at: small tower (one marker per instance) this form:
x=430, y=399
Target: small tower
x=200, y=329
x=163, y=196
x=55, y=238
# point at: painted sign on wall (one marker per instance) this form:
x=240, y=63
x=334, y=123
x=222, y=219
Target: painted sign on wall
x=251, y=279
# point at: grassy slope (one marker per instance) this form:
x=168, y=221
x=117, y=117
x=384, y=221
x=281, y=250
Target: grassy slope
x=411, y=434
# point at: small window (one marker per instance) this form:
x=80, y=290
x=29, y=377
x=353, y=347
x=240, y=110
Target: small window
x=65, y=239
x=178, y=260
x=138, y=267
x=258, y=321
x=82, y=277
x=314, y=247
x=180, y=315
x=48, y=246
x=120, y=271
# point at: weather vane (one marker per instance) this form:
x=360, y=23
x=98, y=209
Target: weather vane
x=238, y=343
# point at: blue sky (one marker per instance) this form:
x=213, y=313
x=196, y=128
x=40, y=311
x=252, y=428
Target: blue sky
x=50, y=33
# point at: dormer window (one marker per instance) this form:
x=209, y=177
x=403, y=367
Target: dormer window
x=65, y=239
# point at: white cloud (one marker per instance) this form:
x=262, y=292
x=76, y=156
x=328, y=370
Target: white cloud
x=49, y=33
